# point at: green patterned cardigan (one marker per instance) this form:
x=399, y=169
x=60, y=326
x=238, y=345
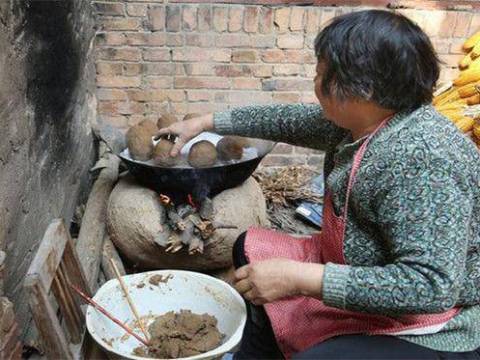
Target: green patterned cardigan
x=413, y=229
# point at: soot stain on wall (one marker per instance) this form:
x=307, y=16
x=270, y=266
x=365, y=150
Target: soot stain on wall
x=53, y=70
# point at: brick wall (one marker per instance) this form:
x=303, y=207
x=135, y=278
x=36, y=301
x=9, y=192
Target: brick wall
x=204, y=57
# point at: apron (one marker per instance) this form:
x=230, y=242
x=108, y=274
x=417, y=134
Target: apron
x=301, y=322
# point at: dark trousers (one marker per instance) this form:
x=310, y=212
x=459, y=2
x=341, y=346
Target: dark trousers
x=259, y=342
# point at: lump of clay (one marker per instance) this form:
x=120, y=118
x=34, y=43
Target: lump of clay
x=161, y=153
x=149, y=126
x=231, y=148
x=177, y=335
x=139, y=142
x=166, y=120
x=191, y=116
x=202, y=154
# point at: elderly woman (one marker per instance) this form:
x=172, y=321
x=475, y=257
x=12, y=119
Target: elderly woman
x=395, y=272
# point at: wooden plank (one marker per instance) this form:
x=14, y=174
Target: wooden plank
x=54, y=342
x=110, y=252
x=73, y=269
x=49, y=254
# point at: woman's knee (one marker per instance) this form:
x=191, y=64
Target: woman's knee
x=238, y=251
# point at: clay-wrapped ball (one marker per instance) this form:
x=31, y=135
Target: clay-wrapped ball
x=202, y=154
x=231, y=148
x=191, y=116
x=139, y=142
x=166, y=120
x=149, y=126
x=161, y=153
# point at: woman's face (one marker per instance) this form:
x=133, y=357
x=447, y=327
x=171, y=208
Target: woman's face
x=339, y=112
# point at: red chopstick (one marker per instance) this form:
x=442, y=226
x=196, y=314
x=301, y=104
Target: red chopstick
x=107, y=314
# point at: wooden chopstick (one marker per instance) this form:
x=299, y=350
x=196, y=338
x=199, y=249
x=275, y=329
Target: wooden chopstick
x=129, y=299
x=108, y=315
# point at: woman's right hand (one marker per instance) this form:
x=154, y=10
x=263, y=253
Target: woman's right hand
x=186, y=130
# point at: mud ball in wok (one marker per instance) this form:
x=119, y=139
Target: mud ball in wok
x=139, y=142
x=202, y=154
x=191, y=116
x=161, y=153
x=166, y=120
x=149, y=126
x=231, y=148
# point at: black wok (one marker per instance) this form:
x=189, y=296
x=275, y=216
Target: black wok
x=199, y=182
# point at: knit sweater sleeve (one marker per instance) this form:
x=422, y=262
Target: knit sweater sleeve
x=424, y=216
x=296, y=124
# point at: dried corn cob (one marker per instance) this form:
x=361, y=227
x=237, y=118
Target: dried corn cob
x=476, y=130
x=473, y=100
x=465, y=62
x=451, y=97
x=475, y=51
x=467, y=77
x=465, y=124
x=468, y=90
x=471, y=42
x=443, y=95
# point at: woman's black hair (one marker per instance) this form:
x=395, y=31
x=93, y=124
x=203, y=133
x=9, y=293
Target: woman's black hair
x=377, y=56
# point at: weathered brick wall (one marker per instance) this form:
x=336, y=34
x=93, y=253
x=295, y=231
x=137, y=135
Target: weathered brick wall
x=203, y=57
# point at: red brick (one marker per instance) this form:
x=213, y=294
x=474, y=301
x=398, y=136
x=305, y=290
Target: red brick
x=300, y=57
x=199, y=68
x=448, y=74
x=312, y=25
x=156, y=54
x=179, y=108
x=273, y=56
x=157, y=108
x=462, y=24
x=282, y=19
x=250, y=24
x=327, y=16
x=189, y=21
x=456, y=46
x=310, y=41
x=199, y=95
x=288, y=70
x=246, y=84
x=156, y=16
x=113, y=9
x=146, y=38
x=158, y=68
x=475, y=24
x=119, y=24
x=120, y=122
x=266, y=20
x=222, y=97
x=122, y=54
x=290, y=41
x=159, y=82
x=232, y=70
x=235, y=19
x=175, y=95
x=220, y=18
x=440, y=23
x=179, y=69
x=442, y=46
x=203, y=108
x=282, y=148
x=297, y=19
x=204, y=18
x=287, y=85
x=232, y=40
x=451, y=60
x=111, y=94
x=120, y=107
x=196, y=54
x=286, y=97
x=173, y=18
x=118, y=81
x=200, y=40
x=244, y=56
x=262, y=41
x=137, y=10
x=249, y=97
x=309, y=97
x=110, y=38
x=310, y=71
x=146, y=95
x=174, y=39
x=130, y=69
x=262, y=71
x=201, y=83
x=109, y=68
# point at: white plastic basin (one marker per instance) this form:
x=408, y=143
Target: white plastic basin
x=183, y=290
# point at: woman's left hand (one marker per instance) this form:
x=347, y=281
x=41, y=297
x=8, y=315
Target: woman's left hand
x=268, y=280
